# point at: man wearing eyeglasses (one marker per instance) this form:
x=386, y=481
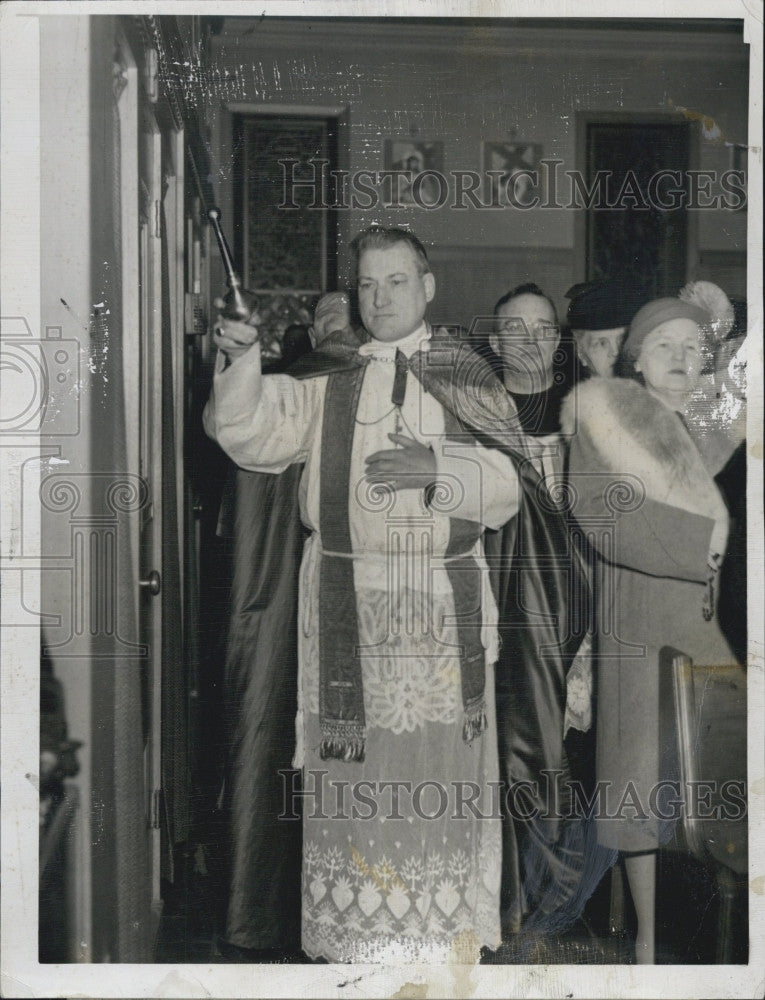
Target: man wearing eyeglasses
x=525, y=339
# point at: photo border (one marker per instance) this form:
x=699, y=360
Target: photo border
x=22, y=975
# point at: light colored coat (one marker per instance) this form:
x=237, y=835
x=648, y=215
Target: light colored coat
x=644, y=500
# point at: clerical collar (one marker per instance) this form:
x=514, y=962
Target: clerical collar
x=531, y=386
x=409, y=345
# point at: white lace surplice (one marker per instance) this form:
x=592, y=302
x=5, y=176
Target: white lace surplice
x=409, y=882
x=415, y=877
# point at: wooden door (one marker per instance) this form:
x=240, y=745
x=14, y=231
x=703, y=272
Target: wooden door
x=153, y=254
x=140, y=179
x=633, y=228
x=150, y=466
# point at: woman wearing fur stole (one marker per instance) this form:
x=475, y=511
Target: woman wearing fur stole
x=642, y=494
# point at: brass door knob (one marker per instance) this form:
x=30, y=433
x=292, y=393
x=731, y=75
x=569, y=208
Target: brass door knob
x=152, y=583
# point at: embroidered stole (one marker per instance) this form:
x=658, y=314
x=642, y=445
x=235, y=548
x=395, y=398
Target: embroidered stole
x=341, y=693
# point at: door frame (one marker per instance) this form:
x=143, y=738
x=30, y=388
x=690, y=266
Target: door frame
x=224, y=141
x=141, y=292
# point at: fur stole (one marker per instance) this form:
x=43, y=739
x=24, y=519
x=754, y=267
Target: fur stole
x=627, y=430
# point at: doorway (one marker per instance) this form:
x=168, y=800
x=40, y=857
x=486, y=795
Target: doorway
x=285, y=233
x=630, y=232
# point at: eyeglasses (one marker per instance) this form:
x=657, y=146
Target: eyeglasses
x=518, y=327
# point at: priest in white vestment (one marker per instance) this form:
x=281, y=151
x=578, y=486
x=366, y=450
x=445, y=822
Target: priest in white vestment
x=396, y=730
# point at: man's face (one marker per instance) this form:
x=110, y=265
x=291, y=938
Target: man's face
x=393, y=295
x=526, y=336
x=599, y=349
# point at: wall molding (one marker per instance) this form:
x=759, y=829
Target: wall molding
x=275, y=109
x=352, y=36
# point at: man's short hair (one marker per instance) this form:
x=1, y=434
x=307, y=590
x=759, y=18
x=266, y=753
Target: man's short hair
x=382, y=237
x=527, y=288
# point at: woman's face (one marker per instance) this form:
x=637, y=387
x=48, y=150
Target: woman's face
x=599, y=349
x=670, y=357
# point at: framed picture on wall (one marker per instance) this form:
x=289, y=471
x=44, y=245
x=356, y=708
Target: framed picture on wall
x=415, y=157
x=510, y=171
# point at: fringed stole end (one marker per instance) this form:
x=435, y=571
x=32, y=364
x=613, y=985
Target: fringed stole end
x=341, y=742
x=475, y=721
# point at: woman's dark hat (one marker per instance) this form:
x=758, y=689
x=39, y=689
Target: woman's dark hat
x=603, y=304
